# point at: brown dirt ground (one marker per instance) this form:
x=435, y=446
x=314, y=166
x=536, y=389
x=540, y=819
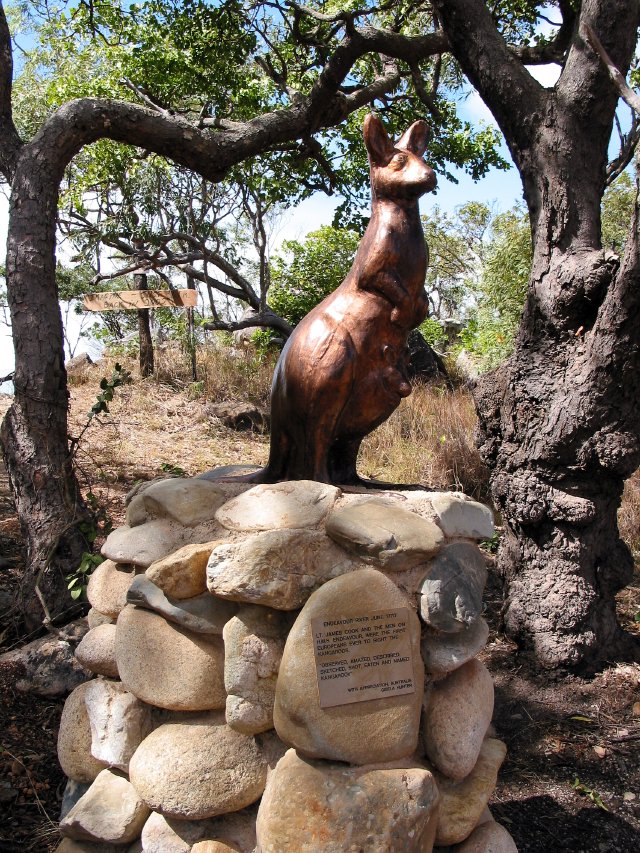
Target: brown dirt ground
x=571, y=781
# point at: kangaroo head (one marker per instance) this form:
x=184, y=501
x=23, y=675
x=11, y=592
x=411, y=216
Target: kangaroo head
x=397, y=169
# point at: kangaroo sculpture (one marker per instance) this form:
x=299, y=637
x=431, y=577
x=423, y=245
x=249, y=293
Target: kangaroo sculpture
x=343, y=370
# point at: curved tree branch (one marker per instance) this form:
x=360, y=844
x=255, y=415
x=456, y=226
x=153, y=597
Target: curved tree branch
x=11, y=142
x=266, y=319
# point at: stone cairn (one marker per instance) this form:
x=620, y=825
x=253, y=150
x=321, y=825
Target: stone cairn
x=222, y=718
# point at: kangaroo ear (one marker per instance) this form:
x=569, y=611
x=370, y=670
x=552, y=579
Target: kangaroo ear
x=378, y=144
x=415, y=138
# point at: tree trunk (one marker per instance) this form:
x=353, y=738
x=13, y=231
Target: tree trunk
x=144, y=331
x=561, y=437
x=191, y=333
x=558, y=426
x=34, y=432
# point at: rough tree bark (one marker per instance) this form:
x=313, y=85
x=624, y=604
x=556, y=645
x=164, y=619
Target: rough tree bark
x=558, y=421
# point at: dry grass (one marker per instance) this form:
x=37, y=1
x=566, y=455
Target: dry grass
x=629, y=515
x=428, y=440
x=223, y=373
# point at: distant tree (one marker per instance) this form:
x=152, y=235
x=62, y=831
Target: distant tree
x=304, y=272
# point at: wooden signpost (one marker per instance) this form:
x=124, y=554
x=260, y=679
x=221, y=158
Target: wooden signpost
x=142, y=300
x=125, y=300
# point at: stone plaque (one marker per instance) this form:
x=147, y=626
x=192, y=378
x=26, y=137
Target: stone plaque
x=363, y=657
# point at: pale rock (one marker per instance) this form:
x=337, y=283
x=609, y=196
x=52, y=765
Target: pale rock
x=149, y=542
x=451, y=593
x=187, y=501
x=463, y=803
x=111, y=811
x=198, y=768
x=97, y=651
x=299, y=503
x=163, y=835
x=167, y=835
x=486, y=816
x=489, y=837
x=202, y=614
x=74, y=739
x=72, y=792
x=456, y=719
x=167, y=666
x=460, y=516
x=95, y=618
x=443, y=653
x=68, y=845
x=223, y=471
x=107, y=587
x=310, y=806
x=363, y=732
x=277, y=568
x=214, y=847
x=390, y=537
x=183, y=574
x=253, y=645
x=47, y=667
x=119, y=722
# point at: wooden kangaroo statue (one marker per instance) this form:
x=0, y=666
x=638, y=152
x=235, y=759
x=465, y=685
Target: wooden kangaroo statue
x=343, y=370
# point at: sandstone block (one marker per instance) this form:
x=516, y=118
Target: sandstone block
x=310, y=806
x=202, y=614
x=71, y=794
x=183, y=574
x=111, y=811
x=451, y=594
x=277, y=568
x=167, y=835
x=68, y=845
x=166, y=666
x=382, y=729
x=214, y=847
x=456, y=719
x=155, y=539
x=198, y=768
x=47, y=666
x=442, y=653
x=96, y=651
x=490, y=837
x=95, y=618
x=107, y=587
x=119, y=722
x=460, y=516
x=74, y=739
x=462, y=803
x=301, y=503
x=253, y=645
x=390, y=537
x=189, y=501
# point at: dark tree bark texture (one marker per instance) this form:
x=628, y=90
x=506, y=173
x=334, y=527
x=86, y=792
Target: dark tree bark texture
x=558, y=421
x=34, y=431
x=145, y=341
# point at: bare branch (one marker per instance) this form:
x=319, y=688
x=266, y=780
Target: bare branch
x=421, y=91
x=628, y=144
x=267, y=319
x=618, y=79
x=146, y=98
